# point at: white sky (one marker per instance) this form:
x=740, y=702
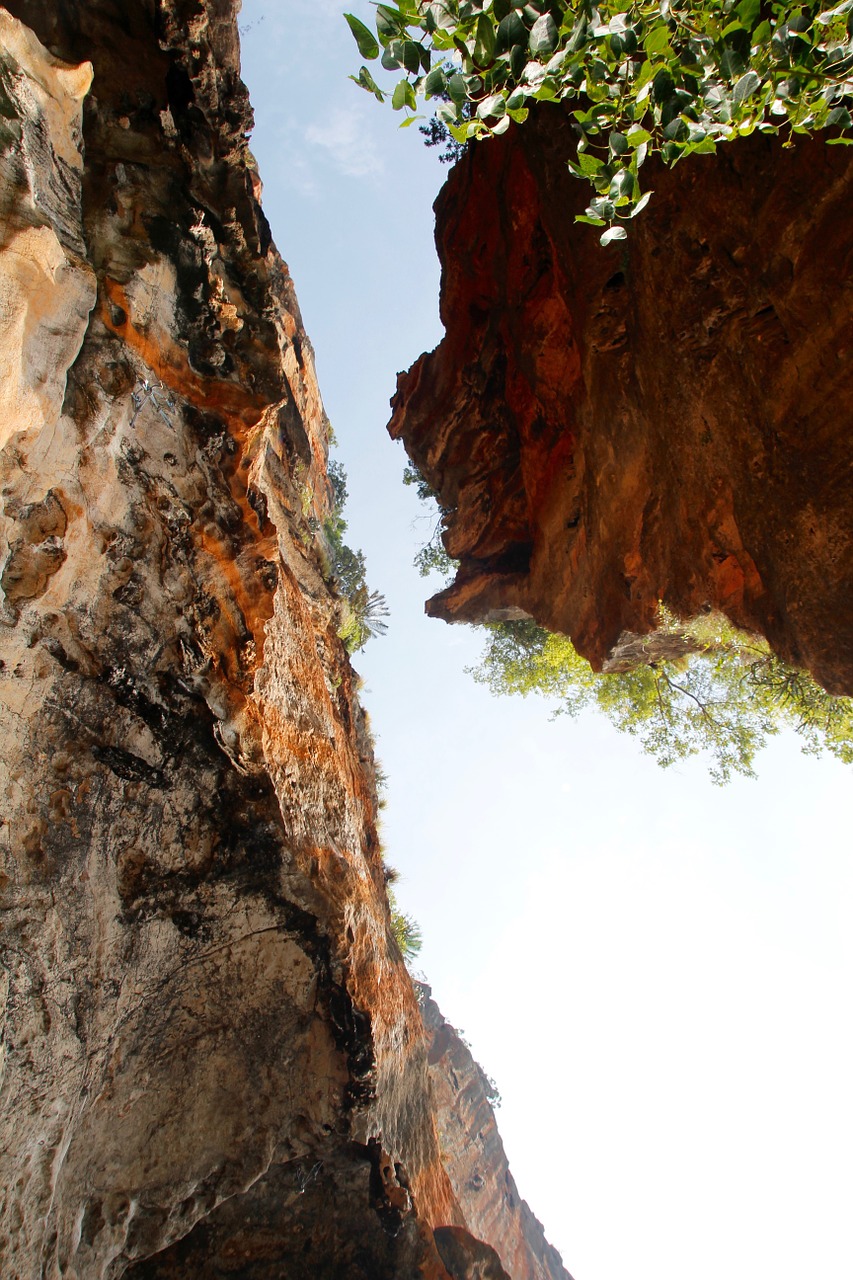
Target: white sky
x=656, y=972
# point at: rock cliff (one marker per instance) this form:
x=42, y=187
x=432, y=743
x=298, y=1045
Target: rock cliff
x=664, y=419
x=213, y=1060
x=474, y=1155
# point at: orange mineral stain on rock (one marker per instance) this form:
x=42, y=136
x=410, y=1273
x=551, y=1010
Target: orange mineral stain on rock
x=161, y=353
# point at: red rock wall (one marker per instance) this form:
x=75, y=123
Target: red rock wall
x=666, y=418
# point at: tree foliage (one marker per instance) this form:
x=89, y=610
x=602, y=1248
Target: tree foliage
x=723, y=696
x=432, y=557
x=671, y=76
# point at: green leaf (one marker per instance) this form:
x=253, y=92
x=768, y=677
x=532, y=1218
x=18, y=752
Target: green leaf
x=368, y=45
x=619, y=144
x=484, y=45
x=732, y=63
x=554, y=67
x=664, y=85
x=544, y=36
x=748, y=11
x=439, y=17
x=745, y=87
x=365, y=80
x=435, y=83
x=511, y=31
x=641, y=203
x=592, y=222
x=548, y=91
x=518, y=59
x=602, y=208
x=647, y=70
x=400, y=97
x=411, y=57
x=457, y=90
x=493, y=106
x=614, y=233
x=657, y=41
x=589, y=164
x=637, y=136
x=622, y=185
x=389, y=21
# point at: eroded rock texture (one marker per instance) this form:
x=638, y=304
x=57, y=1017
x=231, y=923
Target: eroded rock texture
x=666, y=419
x=474, y=1155
x=213, y=1060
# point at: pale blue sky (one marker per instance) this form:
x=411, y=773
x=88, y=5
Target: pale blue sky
x=655, y=971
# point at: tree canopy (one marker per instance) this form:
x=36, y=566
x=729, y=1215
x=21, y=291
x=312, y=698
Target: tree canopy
x=701, y=687
x=671, y=76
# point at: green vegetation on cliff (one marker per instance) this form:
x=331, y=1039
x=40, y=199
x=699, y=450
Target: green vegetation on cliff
x=364, y=611
x=700, y=687
x=670, y=76
x=406, y=930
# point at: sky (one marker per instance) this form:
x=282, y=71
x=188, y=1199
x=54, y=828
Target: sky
x=655, y=971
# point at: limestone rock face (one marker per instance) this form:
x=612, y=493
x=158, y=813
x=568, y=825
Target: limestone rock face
x=474, y=1155
x=213, y=1060
x=669, y=418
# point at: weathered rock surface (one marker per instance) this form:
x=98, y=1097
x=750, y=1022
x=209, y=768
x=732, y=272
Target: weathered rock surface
x=474, y=1155
x=212, y=1056
x=666, y=419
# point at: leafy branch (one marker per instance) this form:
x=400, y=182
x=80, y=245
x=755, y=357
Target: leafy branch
x=432, y=556
x=692, y=687
x=676, y=77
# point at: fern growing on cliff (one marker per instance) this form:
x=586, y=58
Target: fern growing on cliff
x=406, y=930
x=363, y=612
x=676, y=77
